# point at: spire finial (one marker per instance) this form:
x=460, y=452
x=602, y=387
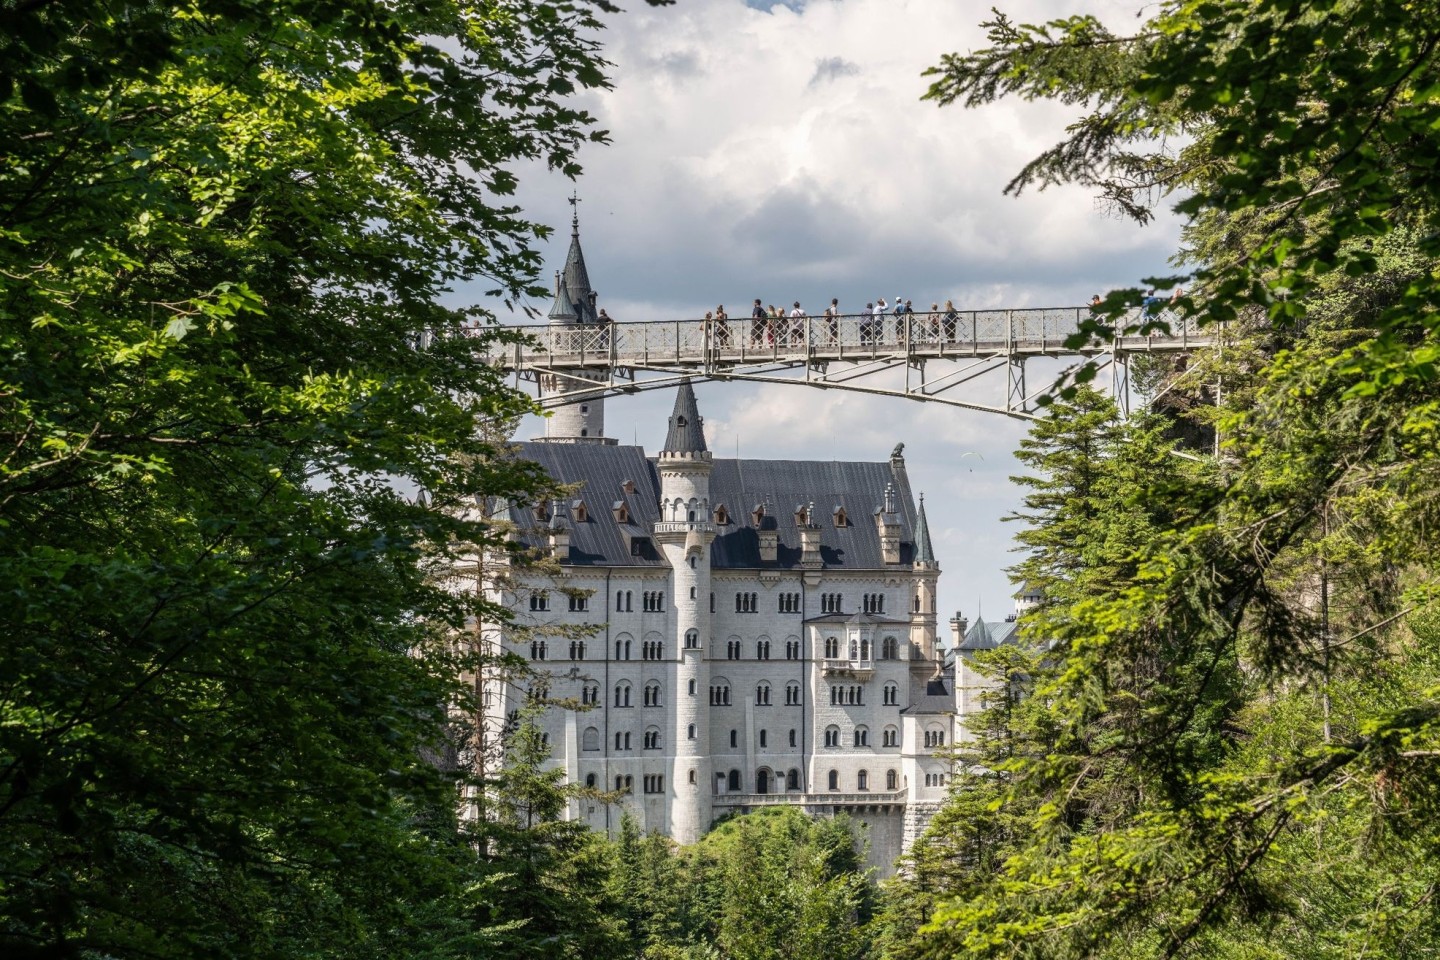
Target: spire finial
x=574, y=214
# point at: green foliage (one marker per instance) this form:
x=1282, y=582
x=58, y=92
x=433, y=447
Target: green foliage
x=225, y=227
x=1240, y=688
x=772, y=885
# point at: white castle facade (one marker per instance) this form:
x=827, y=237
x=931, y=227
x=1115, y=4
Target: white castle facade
x=738, y=633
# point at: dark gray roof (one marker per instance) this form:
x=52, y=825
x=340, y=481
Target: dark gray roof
x=988, y=636
x=937, y=698
x=603, y=470
x=685, y=434
x=924, y=553
x=577, y=278
x=778, y=483
x=562, y=308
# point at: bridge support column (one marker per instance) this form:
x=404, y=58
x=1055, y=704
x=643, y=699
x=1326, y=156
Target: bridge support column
x=1015, y=383
x=1120, y=382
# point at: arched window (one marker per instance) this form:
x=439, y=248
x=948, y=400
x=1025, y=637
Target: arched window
x=652, y=738
x=764, y=739
x=891, y=737
x=734, y=782
x=890, y=648
x=892, y=694
x=892, y=780
x=590, y=739
x=652, y=693
x=792, y=693
x=792, y=738
x=854, y=649
x=862, y=780
x=590, y=781
x=692, y=686
x=832, y=736
x=792, y=779
x=720, y=693
x=792, y=649
x=734, y=739
x=692, y=639
x=690, y=732
x=834, y=780
x=832, y=648
x=538, y=649
x=862, y=736
x=762, y=694
x=762, y=650
x=622, y=694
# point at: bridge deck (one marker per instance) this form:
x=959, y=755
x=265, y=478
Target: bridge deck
x=709, y=345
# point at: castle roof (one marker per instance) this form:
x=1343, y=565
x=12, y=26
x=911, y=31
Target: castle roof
x=988, y=636
x=685, y=434
x=601, y=472
x=924, y=553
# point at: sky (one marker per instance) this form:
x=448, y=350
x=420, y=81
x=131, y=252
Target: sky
x=782, y=151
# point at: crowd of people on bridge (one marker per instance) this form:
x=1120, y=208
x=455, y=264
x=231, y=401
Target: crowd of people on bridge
x=879, y=321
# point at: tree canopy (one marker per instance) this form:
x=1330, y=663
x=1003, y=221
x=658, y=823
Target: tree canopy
x=226, y=232
x=1236, y=660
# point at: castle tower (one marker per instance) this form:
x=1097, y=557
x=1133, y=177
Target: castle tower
x=684, y=533
x=922, y=603
x=576, y=329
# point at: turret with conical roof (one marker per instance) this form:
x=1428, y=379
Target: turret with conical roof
x=576, y=328
x=684, y=533
x=686, y=434
x=922, y=607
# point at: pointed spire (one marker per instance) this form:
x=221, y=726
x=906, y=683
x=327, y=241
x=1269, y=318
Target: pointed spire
x=685, y=434
x=577, y=278
x=924, y=553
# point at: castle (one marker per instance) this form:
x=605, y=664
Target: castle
x=757, y=632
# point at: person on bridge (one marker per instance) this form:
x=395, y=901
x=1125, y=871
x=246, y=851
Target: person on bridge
x=877, y=326
x=797, y=324
x=952, y=321
x=832, y=320
x=757, y=324
x=773, y=327
x=722, y=327
x=867, y=321
x=934, y=323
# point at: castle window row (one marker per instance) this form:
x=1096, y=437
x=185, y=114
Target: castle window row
x=830, y=603
x=539, y=601
x=845, y=696
x=860, y=736
x=579, y=603
x=746, y=602
x=652, y=650
x=935, y=738
x=873, y=603
x=789, y=603
x=653, y=601
x=934, y=779
x=654, y=783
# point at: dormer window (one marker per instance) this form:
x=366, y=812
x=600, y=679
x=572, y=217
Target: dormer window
x=757, y=514
x=802, y=516
x=628, y=486
x=722, y=516
x=621, y=511
x=578, y=511
x=841, y=519
x=680, y=422
x=542, y=512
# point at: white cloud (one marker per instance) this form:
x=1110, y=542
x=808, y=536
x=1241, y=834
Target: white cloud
x=786, y=154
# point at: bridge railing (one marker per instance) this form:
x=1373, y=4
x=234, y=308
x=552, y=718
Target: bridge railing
x=849, y=336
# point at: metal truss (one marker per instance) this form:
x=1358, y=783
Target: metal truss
x=983, y=352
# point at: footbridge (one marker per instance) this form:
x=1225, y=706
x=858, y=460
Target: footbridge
x=973, y=358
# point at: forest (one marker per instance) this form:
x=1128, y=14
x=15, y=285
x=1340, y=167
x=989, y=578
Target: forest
x=233, y=706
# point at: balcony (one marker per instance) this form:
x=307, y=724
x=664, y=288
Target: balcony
x=845, y=667
x=823, y=799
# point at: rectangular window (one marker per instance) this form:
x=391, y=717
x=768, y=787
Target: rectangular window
x=579, y=604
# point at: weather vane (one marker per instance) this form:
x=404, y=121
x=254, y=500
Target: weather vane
x=574, y=210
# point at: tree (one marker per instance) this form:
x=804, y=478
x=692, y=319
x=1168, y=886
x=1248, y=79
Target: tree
x=1243, y=667
x=226, y=232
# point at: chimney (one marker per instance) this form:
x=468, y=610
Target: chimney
x=887, y=524
x=959, y=626
x=559, y=536
x=809, y=537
